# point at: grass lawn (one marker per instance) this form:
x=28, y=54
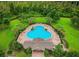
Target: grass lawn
x=22, y=54
x=39, y=20
x=16, y=24
x=71, y=34
x=6, y=37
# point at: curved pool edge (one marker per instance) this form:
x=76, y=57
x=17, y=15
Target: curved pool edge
x=54, y=39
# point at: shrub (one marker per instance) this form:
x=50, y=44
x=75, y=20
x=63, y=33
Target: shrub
x=9, y=51
x=13, y=9
x=2, y=53
x=72, y=54
x=47, y=53
x=14, y=45
x=75, y=21
x=18, y=46
x=58, y=51
x=54, y=15
x=28, y=51
x=3, y=26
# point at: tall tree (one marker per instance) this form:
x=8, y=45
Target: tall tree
x=75, y=21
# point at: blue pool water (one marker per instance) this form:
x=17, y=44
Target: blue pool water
x=39, y=32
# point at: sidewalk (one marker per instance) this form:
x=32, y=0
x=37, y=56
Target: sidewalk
x=37, y=54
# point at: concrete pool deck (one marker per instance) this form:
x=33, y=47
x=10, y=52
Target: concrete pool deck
x=54, y=37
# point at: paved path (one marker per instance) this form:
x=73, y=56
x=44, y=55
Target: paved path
x=37, y=54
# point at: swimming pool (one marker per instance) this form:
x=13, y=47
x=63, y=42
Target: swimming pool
x=38, y=32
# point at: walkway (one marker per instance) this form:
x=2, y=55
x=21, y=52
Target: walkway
x=37, y=54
